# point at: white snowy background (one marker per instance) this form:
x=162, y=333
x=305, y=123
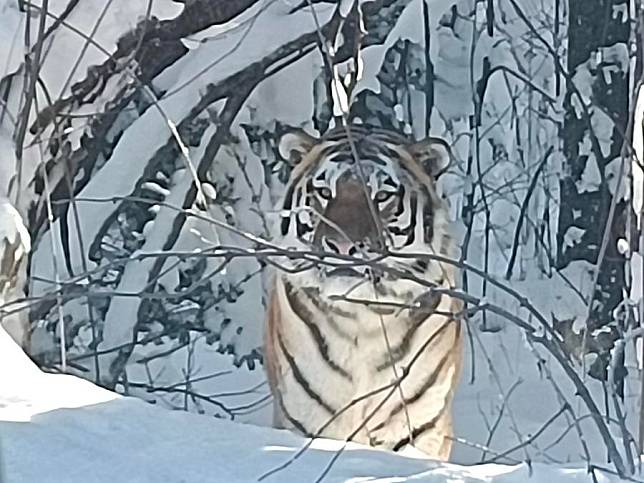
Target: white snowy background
x=510, y=388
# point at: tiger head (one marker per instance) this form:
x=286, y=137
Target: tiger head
x=362, y=192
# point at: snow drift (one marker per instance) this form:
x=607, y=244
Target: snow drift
x=59, y=428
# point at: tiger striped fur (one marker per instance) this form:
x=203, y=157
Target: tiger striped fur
x=328, y=360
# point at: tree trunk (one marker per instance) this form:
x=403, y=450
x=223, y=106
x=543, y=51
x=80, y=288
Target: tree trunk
x=598, y=35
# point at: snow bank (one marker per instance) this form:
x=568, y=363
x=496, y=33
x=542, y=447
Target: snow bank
x=59, y=428
x=26, y=391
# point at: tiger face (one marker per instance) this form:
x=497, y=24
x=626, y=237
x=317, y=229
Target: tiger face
x=363, y=193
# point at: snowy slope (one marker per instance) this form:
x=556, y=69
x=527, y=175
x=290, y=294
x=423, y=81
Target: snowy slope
x=58, y=428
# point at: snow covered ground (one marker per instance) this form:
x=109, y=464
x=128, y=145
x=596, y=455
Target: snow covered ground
x=56, y=428
x=59, y=428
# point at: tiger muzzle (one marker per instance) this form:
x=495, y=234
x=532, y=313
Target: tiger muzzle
x=347, y=228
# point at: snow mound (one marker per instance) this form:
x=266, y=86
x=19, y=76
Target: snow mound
x=26, y=391
x=60, y=428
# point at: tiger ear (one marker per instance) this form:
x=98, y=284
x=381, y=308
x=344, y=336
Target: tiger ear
x=295, y=144
x=433, y=154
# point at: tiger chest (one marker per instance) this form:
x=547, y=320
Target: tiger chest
x=344, y=366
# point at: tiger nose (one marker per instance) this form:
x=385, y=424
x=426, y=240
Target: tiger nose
x=341, y=247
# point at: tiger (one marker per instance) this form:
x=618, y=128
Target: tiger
x=352, y=351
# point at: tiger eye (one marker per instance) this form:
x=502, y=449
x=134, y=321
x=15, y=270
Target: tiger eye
x=382, y=196
x=325, y=193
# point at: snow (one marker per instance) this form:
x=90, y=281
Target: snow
x=66, y=57
x=274, y=28
x=12, y=229
x=15, y=245
x=10, y=30
x=121, y=317
x=638, y=147
x=59, y=425
x=25, y=391
x=59, y=428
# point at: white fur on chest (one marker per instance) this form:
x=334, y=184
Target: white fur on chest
x=360, y=343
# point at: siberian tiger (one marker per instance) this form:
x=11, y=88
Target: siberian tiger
x=336, y=335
